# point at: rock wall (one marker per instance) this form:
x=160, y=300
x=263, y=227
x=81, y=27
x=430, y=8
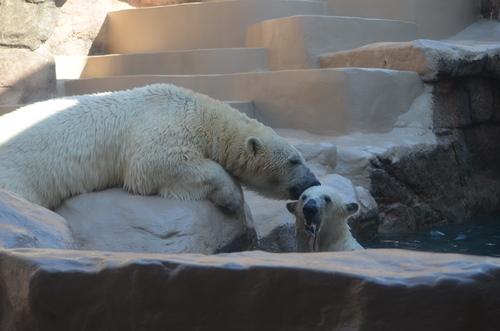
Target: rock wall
x=458, y=180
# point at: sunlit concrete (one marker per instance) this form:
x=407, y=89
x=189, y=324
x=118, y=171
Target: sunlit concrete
x=324, y=101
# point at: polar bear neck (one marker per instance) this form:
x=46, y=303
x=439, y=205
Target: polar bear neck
x=223, y=132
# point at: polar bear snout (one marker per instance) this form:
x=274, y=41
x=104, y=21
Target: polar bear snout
x=311, y=217
x=296, y=190
x=310, y=210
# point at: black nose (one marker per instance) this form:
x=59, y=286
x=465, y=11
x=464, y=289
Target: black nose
x=310, y=209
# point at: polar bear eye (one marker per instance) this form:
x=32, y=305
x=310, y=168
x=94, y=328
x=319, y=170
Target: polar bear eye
x=304, y=197
x=327, y=198
x=294, y=161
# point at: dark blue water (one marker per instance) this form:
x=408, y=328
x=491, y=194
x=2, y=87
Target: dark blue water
x=476, y=237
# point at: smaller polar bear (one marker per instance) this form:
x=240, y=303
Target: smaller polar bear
x=320, y=221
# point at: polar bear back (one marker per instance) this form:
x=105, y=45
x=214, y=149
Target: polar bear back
x=92, y=136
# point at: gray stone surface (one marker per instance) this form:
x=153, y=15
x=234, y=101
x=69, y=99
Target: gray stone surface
x=24, y=224
x=27, y=24
x=116, y=221
x=363, y=290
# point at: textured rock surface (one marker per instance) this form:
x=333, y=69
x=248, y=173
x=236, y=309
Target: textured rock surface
x=364, y=290
x=113, y=220
x=24, y=224
x=27, y=24
x=460, y=178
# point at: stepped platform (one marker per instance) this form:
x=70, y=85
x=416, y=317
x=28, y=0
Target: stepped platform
x=323, y=101
x=195, y=25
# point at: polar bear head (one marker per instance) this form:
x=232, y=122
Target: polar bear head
x=320, y=208
x=267, y=164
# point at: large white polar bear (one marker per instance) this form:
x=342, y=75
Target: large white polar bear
x=158, y=139
x=320, y=221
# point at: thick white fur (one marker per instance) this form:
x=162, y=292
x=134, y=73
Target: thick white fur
x=157, y=139
x=333, y=233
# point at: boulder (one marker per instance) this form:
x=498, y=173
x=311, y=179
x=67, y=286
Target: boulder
x=116, y=221
x=375, y=289
x=24, y=224
x=27, y=24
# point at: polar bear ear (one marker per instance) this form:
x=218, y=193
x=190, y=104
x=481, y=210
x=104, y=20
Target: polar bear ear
x=253, y=144
x=352, y=208
x=291, y=207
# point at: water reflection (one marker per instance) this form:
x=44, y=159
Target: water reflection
x=476, y=237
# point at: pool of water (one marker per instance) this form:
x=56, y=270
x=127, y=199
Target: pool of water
x=476, y=237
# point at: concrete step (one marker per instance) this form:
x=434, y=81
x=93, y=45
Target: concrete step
x=189, y=62
x=296, y=42
x=325, y=101
x=195, y=25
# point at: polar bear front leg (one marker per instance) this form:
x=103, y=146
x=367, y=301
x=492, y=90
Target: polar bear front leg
x=225, y=191
x=206, y=179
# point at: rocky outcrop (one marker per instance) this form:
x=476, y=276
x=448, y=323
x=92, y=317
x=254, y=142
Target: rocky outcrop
x=458, y=180
x=364, y=290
